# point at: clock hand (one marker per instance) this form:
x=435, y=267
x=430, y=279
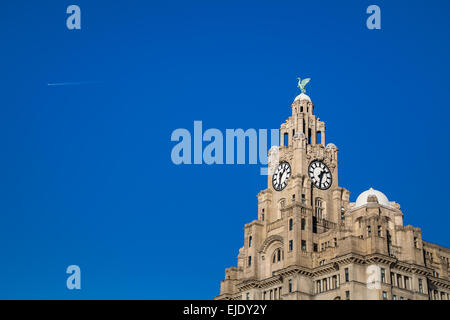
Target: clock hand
x=280, y=176
x=321, y=177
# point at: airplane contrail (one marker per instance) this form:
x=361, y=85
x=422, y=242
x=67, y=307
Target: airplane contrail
x=71, y=83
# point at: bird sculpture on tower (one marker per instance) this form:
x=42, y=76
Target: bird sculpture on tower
x=302, y=84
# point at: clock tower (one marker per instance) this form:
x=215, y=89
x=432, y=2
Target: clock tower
x=310, y=242
x=303, y=169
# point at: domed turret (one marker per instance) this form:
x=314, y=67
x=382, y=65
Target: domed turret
x=302, y=96
x=369, y=196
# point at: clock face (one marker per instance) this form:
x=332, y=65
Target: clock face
x=320, y=175
x=281, y=176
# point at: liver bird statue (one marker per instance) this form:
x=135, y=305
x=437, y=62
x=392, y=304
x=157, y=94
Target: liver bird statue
x=302, y=84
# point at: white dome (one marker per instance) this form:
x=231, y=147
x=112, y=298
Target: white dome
x=362, y=198
x=302, y=96
x=331, y=145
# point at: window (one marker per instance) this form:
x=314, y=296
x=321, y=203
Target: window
x=248, y=296
x=401, y=298
x=399, y=280
x=303, y=245
x=290, y=224
x=291, y=245
x=442, y=296
x=384, y=295
x=325, y=284
x=342, y=213
x=406, y=280
x=346, y=275
x=347, y=295
x=249, y=261
x=290, y=285
x=303, y=223
x=394, y=297
x=319, y=137
x=369, y=231
x=303, y=198
x=262, y=215
x=277, y=255
x=286, y=140
x=293, y=197
x=383, y=275
x=379, y=231
x=275, y=293
x=318, y=208
x=420, y=286
x=318, y=286
x=415, y=242
x=250, y=241
x=335, y=242
x=322, y=262
x=315, y=247
x=335, y=283
x=264, y=295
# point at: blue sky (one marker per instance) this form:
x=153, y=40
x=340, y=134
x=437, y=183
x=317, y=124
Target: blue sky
x=86, y=174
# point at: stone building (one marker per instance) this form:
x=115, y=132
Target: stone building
x=310, y=242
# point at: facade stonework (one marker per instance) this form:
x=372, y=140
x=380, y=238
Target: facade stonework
x=311, y=243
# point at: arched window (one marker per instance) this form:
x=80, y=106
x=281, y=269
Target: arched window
x=291, y=222
x=286, y=139
x=319, y=137
x=277, y=256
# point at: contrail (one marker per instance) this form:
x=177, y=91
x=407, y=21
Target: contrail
x=71, y=83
